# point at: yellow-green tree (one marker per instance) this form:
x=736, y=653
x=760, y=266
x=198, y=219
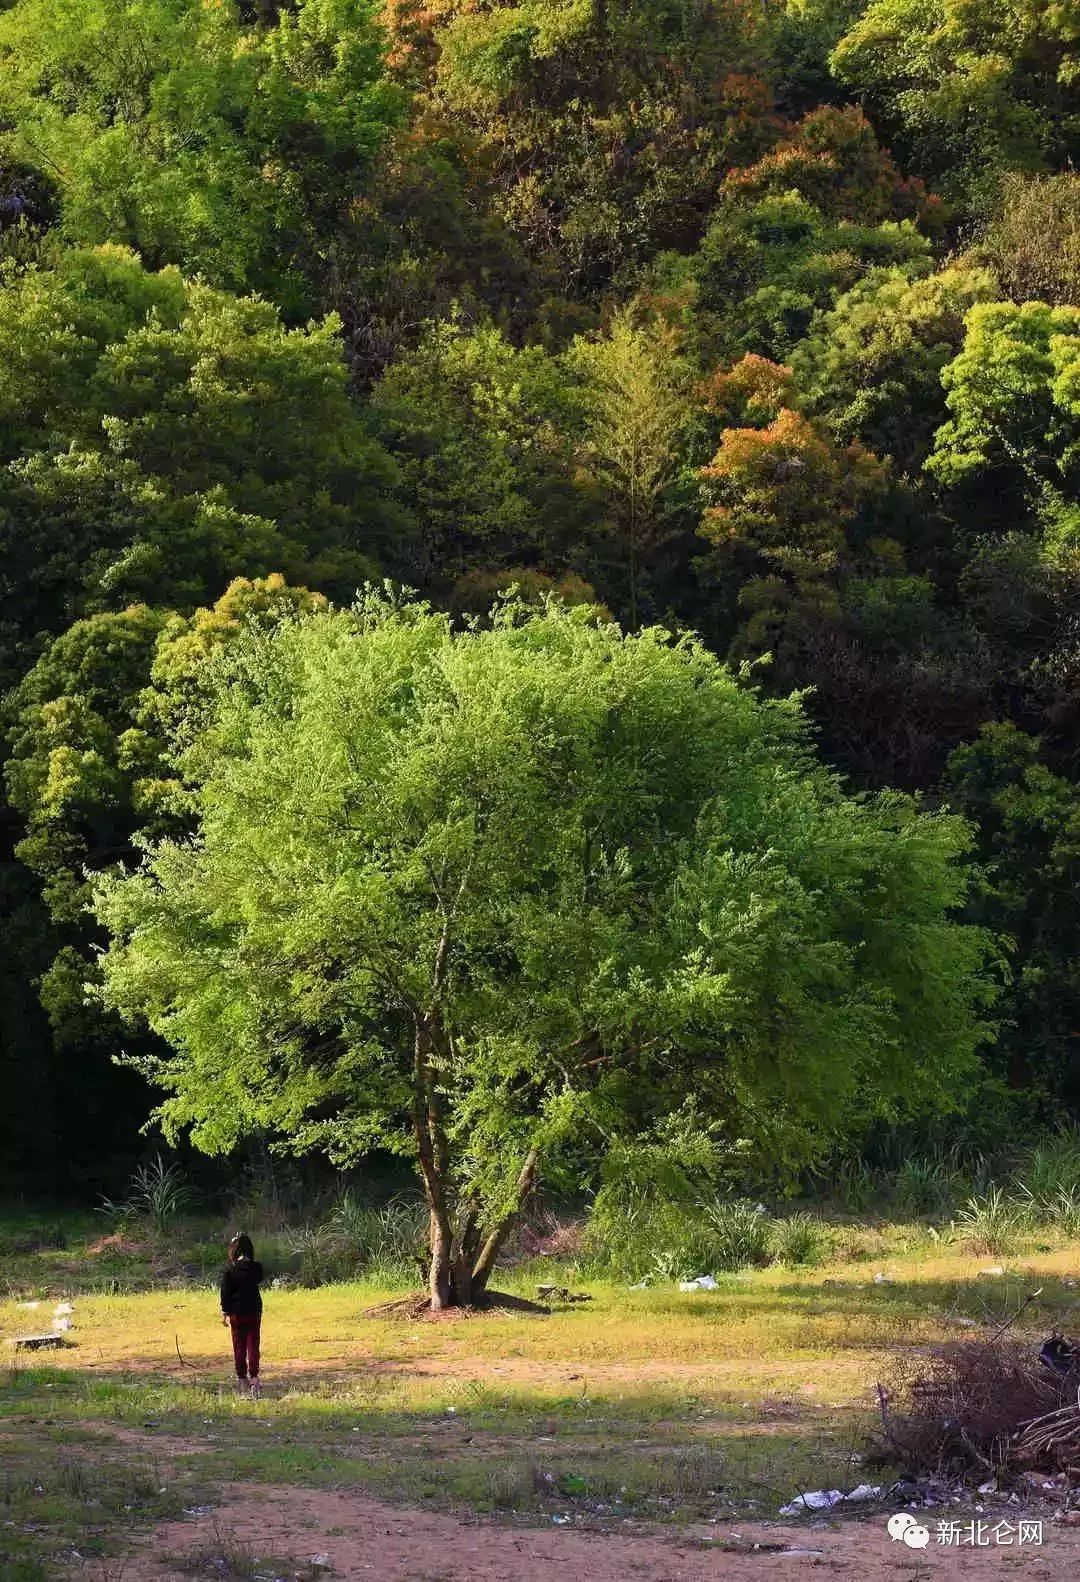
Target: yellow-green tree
x=635, y=406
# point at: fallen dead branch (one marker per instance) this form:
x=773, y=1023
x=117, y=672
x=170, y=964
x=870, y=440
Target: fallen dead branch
x=184, y=1363
x=1053, y=1439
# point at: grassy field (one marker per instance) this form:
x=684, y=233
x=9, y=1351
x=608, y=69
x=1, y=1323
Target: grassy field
x=641, y=1405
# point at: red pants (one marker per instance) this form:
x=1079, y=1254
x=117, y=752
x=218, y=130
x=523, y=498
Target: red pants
x=245, y=1344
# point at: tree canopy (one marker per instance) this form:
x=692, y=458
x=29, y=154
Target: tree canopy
x=195, y=135
x=161, y=437
x=479, y=895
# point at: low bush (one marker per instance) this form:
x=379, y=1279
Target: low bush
x=798, y=1240
x=738, y=1234
x=856, y=1244
x=389, y=1239
x=158, y=1193
x=546, y=1234
x=678, y=1240
x=384, y=1242
x=323, y=1256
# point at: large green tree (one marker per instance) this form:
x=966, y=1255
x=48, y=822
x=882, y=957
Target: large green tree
x=1028, y=820
x=225, y=138
x=484, y=895
x=85, y=770
x=604, y=130
x=769, y=261
x=968, y=87
x=871, y=366
x=481, y=433
x=159, y=437
x=1011, y=448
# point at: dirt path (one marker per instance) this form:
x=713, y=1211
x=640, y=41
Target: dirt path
x=363, y=1538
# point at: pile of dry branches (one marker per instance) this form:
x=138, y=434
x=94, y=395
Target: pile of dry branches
x=1051, y=1442
x=979, y=1406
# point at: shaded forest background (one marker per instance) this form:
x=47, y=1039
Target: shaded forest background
x=759, y=319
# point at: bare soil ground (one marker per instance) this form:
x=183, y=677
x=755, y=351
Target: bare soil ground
x=377, y=1443
x=361, y=1537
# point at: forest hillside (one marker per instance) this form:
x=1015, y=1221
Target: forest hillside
x=758, y=321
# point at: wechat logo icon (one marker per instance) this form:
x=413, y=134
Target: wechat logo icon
x=905, y=1528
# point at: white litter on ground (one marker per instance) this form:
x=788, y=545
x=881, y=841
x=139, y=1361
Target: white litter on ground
x=819, y=1500
x=826, y=1499
x=865, y=1491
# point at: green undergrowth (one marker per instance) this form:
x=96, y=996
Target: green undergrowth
x=76, y=1483
x=68, y=1499
x=159, y=1236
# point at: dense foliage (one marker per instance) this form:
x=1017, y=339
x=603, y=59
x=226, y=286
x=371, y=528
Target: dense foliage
x=757, y=321
x=518, y=892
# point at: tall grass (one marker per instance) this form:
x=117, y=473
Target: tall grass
x=737, y=1234
x=927, y=1187
x=993, y=1222
x=391, y=1233
x=903, y=1185
x=1050, y=1169
x=798, y=1240
x=158, y=1193
x=383, y=1242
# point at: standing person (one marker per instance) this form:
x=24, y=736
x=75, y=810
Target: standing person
x=241, y=1309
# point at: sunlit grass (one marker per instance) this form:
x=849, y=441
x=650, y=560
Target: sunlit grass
x=654, y=1403
x=818, y=1333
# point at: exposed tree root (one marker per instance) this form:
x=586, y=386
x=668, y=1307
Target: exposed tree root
x=418, y=1305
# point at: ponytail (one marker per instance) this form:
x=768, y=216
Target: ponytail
x=240, y=1247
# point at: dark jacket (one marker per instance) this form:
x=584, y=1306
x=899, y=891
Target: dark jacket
x=240, y=1294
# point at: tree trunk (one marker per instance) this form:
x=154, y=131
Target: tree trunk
x=431, y=1150
x=460, y=1267
x=440, y=1280
x=485, y=1262
x=463, y=1256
